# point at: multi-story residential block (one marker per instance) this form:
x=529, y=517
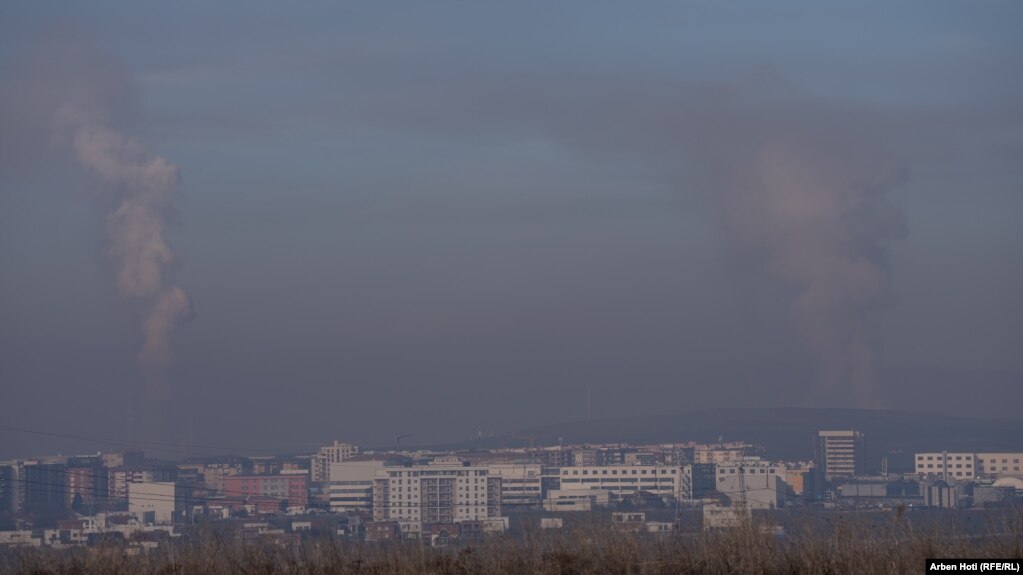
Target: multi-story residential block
x=87, y=484
x=838, y=454
x=128, y=458
x=334, y=453
x=446, y=491
x=45, y=488
x=7, y=493
x=288, y=490
x=118, y=479
x=554, y=456
x=521, y=484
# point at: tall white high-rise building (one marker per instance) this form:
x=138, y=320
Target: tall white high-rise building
x=446, y=491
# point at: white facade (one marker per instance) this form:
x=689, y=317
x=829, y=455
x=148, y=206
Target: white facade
x=963, y=466
x=946, y=466
x=575, y=499
x=999, y=464
x=439, y=493
x=520, y=483
x=620, y=480
x=758, y=491
x=159, y=498
x=334, y=453
x=350, y=485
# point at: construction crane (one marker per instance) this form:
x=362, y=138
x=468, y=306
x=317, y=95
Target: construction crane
x=532, y=443
x=398, y=438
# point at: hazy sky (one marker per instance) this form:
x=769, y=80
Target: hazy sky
x=441, y=218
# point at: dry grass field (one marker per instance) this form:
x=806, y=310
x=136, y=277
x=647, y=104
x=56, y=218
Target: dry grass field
x=845, y=546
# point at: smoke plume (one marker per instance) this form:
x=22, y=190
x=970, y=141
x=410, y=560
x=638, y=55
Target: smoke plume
x=144, y=184
x=814, y=214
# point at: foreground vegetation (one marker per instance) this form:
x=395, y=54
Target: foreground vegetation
x=843, y=546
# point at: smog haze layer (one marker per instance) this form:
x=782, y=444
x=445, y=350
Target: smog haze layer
x=267, y=227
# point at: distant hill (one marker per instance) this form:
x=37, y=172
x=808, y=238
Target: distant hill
x=787, y=433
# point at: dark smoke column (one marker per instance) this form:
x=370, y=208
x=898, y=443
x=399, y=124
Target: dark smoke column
x=144, y=184
x=814, y=215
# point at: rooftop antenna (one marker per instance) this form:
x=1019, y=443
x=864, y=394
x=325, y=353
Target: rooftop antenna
x=589, y=404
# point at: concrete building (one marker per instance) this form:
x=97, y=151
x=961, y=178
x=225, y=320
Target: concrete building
x=838, y=454
x=621, y=480
x=158, y=503
x=993, y=496
x=350, y=485
x=6, y=489
x=999, y=464
x=946, y=466
x=717, y=456
x=288, y=490
x=701, y=480
x=128, y=458
x=446, y=491
x=118, y=479
x=759, y=488
x=576, y=499
x=87, y=485
x=797, y=476
x=214, y=475
x=334, y=453
x=721, y=517
x=521, y=484
x=45, y=489
x=964, y=466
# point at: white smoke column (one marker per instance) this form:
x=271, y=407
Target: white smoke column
x=135, y=232
x=816, y=218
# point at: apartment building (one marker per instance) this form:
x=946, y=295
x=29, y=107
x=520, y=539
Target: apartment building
x=289, y=490
x=118, y=479
x=445, y=491
x=334, y=453
x=521, y=484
